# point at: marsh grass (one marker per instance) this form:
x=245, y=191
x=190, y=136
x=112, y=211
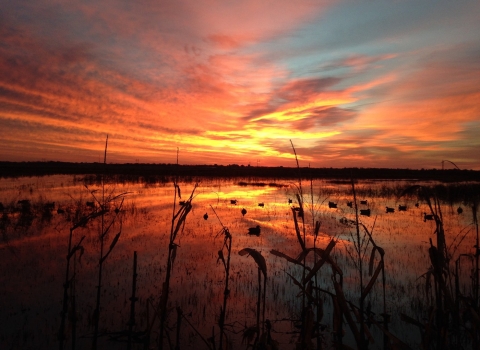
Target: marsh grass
x=358, y=316
x=105, y=228
x=309, y=328
x=178, y=219
x=324, y=271
x=227, y=245
x=100, y=207
x=452, y=311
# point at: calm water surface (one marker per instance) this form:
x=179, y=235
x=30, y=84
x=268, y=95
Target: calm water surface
x=34, y=246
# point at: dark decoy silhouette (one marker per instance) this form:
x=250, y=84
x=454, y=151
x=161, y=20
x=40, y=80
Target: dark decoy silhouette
x=244, y=211
x=205, y=216
x=390, y=210
x=261, y=204
x=233, y=201
x=365, y=212
x=402, y=208
x=459, y=210
x=332, y=205
x=349, y=204
x=364, y=202
x=290, y=201
x=427, y=217
x=26, y=202
x=182, y=203
x=417, y=205
x=254, y=231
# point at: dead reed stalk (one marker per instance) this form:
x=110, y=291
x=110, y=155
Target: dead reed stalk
x=227, y=243
x=71, y=252
x=359, y=260
x=262, y=269
x=105, y=228
x=177, y=223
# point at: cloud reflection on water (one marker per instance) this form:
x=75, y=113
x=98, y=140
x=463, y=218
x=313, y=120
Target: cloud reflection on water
x=32, y=277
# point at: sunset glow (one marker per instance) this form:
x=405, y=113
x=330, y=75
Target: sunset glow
x=364, y=83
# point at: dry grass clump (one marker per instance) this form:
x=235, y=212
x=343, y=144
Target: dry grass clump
x=452, y=299
x=100, y=209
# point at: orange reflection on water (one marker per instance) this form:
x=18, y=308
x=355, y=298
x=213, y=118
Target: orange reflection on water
x=34, y=257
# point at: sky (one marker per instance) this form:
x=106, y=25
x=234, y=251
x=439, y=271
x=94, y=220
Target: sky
x=357, y=83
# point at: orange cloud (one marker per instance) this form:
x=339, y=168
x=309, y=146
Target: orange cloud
x=231, y=81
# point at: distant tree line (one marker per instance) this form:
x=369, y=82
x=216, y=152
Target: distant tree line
x=131, y=171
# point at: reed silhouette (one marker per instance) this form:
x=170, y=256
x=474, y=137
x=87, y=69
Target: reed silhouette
x=453, y=320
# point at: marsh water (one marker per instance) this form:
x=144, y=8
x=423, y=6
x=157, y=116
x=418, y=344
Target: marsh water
x=35, y=242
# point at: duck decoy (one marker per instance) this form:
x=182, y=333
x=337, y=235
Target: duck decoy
x=427, y=217
x=389, y=210
x=205, y=216
x=350, y=204
x=332, y=205
x=459, y=210
x=402, y=208
x=244, y=211
x=233, y=201
x=364, y=202
x=290, y=201
x=365, y=212
x=254, y=231
x=261, y=204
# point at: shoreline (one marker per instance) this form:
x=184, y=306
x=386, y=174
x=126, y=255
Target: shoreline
x=30, y=169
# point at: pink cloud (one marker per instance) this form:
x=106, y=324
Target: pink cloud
x=156, y=75
x=432, y=102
